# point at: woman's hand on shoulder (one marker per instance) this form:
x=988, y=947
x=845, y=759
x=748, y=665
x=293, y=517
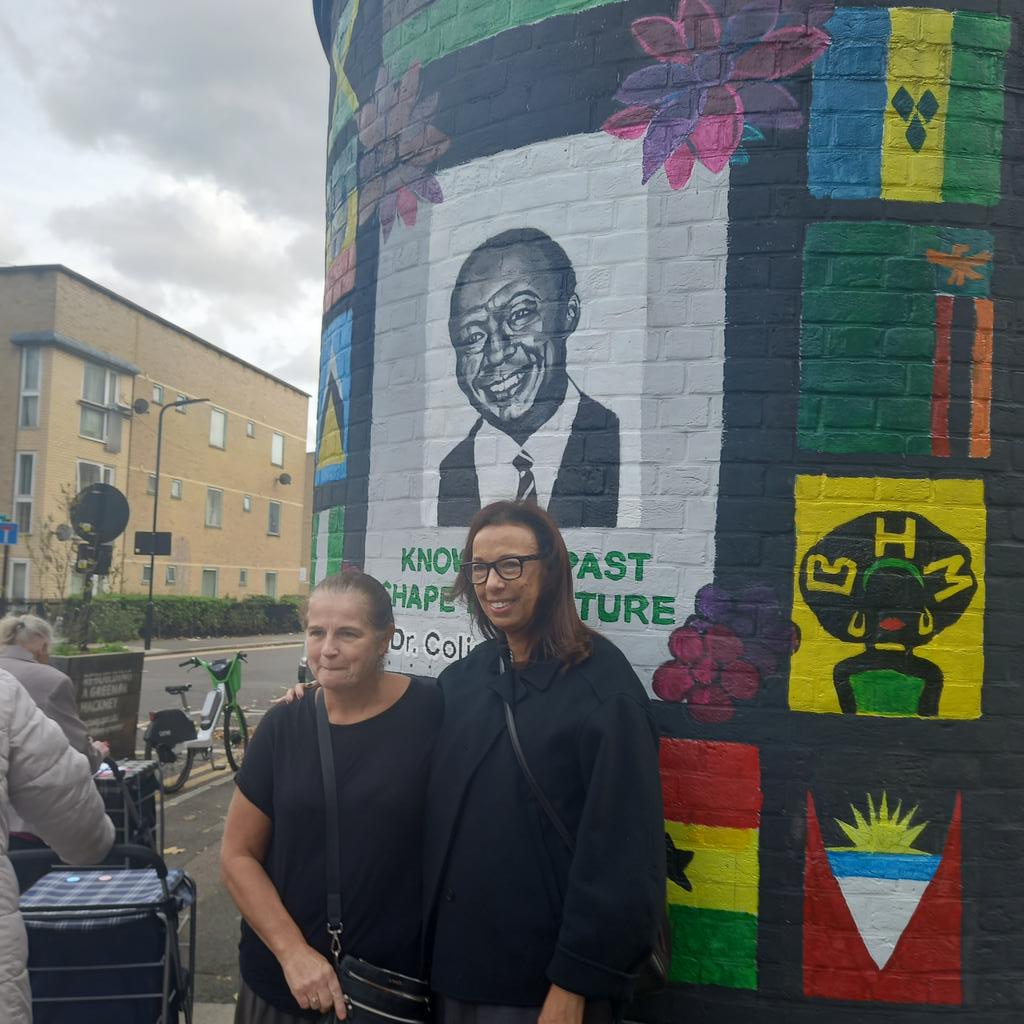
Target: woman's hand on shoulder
x=313, y=981
x=297, y=692
x=562, y=1007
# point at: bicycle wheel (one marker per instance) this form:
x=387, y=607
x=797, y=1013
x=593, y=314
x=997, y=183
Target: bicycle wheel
x=236, y=736
x=175, y=764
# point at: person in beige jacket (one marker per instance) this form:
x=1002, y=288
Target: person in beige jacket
x=51, y=787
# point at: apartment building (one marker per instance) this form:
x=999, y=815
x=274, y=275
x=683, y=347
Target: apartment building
x=232, y=474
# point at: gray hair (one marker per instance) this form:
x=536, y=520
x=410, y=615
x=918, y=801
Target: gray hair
x=17, y=629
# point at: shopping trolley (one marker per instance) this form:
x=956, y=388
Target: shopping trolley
x=104, y=943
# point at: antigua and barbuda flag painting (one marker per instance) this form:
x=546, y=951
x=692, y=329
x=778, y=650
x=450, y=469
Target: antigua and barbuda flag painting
x=908, y=104
x=882, y=904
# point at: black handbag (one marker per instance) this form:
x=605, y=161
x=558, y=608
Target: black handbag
x=652, y=973
x=372, y=994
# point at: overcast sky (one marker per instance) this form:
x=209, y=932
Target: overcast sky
x=173, y=150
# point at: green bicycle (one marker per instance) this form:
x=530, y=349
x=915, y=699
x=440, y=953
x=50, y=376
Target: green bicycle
x=172, y=739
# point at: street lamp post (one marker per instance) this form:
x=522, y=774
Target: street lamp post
x=180, y=403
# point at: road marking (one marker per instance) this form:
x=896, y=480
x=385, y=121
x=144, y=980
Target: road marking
x=190, y=792
x=221, y=650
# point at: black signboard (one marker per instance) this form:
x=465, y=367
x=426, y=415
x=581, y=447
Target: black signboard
x=149, y=543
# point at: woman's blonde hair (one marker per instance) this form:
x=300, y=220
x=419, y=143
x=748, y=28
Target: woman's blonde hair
x=17, y=629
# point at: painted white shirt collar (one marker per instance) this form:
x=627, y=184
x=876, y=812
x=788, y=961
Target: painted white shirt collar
x=493, y=452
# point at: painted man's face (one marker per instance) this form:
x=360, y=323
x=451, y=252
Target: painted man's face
x=509, y=322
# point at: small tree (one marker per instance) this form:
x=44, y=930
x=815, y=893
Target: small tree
x=53, y=558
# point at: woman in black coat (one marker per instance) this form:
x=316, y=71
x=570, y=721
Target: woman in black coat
x=522, y=928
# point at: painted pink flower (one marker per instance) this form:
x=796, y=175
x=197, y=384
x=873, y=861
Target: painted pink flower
x=711, y=82
x=400, y=145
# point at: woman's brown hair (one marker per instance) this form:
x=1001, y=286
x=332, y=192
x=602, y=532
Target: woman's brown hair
x=558, y=633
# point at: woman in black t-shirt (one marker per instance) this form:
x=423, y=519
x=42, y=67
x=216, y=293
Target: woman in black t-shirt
x=383, y=727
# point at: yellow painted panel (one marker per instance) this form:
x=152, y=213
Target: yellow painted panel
x=955, y=506
x=724, y=871
x=914, y=140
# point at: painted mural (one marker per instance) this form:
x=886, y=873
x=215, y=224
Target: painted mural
x=889, y=597
x=712, y=794
x=731, y=287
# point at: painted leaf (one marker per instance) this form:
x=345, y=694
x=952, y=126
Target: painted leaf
x=650, y=86
x=767, y=105
x=669, y=129
x=406, y=203
x=630, y=123
x=751, y=22
x=662, y=38
x=679, y=166
x=781, y=53
x=719, y=130
x=386, y=214
x=701, y=27
x=428, y=188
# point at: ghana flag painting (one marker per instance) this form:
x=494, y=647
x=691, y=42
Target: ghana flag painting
x=908, y=104
x=712, y=794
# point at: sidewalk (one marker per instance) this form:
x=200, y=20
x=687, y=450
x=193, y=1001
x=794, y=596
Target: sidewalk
x=213, y=1013
x=188, y=645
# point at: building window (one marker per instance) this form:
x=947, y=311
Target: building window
x=24, y=484
x=94, y=473
x=176, y=490
x=158, y=394
x=243, y=577
x=209, y=586
x=246, y=502
x=31, y=371
x=274, y=519
x=270, y=584
x=99, y=392
x=171, y=575
x=218, y=428
x=180, y=408
x=151, y=483
x=147, y=573
x=250, y=428
x=214, y=507
x=17, y=588
x=277, y=449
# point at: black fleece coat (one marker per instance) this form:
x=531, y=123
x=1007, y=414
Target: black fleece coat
x=590, y=741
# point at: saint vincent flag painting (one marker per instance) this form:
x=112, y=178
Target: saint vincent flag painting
x=908, y=104
x=712, y=794
x=332, y=421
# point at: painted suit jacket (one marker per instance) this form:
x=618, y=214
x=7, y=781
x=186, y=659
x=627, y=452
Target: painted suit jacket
x=586, y=490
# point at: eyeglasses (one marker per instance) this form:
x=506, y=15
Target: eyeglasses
x=508, y=568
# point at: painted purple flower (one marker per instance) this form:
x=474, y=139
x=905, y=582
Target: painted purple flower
x=399, y=146
x=711, y=81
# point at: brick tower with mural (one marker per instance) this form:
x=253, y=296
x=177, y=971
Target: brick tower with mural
x=776, y=418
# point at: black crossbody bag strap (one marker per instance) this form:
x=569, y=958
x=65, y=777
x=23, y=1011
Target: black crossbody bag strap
x=541, y=797
x=333, y=841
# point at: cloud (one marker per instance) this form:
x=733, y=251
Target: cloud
x=201, y=89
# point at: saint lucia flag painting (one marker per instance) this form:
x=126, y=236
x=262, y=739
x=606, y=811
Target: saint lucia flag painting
x=333, y=398
x=908, y=105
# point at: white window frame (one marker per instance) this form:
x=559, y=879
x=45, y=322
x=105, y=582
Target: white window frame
x=216, y=581
x=24, y=500
x=176, y=489
x=151, y=483
x=158, y=394
x=270, y=585
x=15, y=564
x=222, y=433
x=145, y=572
x=276, y=449
x=243, y=577
x=29, y=392
x=180, y=408
x=220, y=509
x=270, y=518
x=250, y=428
x=170, y=575
x=105, y=476
x=246, y=502
x=90, y=404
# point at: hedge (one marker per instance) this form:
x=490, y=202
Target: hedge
x=122, y=616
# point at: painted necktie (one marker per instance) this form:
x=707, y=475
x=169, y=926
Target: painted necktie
x=527, y=485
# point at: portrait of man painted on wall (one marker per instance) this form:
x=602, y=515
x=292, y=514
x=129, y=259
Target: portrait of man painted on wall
x=537, y=437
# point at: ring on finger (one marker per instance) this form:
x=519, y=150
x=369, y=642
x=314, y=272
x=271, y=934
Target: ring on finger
x=314, y=1001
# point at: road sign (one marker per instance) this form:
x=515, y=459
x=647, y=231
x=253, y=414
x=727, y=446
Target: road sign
x=99, y=513
x=149, y=543
x=8, y=533
x=94, y=559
